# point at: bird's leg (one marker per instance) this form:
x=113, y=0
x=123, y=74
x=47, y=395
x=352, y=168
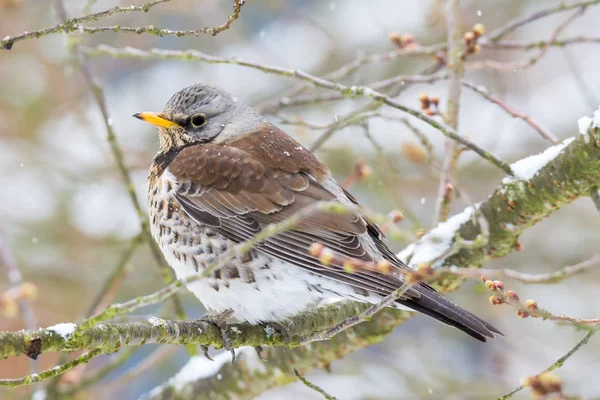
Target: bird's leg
x=220, y=321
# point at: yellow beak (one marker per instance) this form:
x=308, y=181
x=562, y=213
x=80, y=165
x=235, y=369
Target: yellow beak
x=155, y=119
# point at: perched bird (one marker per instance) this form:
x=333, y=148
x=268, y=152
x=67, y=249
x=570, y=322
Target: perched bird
x=223, y=172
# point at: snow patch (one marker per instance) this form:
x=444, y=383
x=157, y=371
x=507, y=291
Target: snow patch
x=526, y=168
x=199, y=367
x=157, y=322
x=584, y=124
x=596, y=120
x=437, y=241
x=39, y=395
x=65, y=329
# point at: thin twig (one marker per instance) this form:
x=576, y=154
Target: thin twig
x=557, y=364
x=107, y=292
x=151, y=360
x=584, y=88
x=349, y=91
x=456, y=71
x=552, y=277
x=74, y=25
x=49, y=373
x=511, y=26
x=313, y=386
x=516, y=45
x=403, y=80
x=357, y=319
x=486, y=94
x=122, y=358
x=16, y=281
x=516, y=65
x=98, y=95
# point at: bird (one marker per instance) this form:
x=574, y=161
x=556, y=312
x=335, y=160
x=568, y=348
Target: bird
x=222, y=174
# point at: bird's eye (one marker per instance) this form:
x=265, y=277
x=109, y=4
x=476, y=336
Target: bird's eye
x=198, y=120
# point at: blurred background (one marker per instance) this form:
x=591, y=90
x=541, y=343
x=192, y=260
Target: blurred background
x=67, y=218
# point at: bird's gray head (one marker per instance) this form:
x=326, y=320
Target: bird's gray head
x=202, y=113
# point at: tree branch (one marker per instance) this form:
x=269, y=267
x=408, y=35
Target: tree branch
x=74, y=25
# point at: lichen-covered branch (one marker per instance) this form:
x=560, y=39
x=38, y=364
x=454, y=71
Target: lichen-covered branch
x=75, y=25
x=543, y=184
x=251, y=376
x=112, y=336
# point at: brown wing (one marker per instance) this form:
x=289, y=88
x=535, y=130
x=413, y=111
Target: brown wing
x=266, y=177
x=230, y=189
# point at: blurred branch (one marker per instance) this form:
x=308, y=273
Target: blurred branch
x=516, y=65
x=101, y=373
x=486, y=94
x=515, y=45
x=456, y=70
x=513, y=25
x=107, y=292
x=70, y=25
x=16, y=281
x=313, y=386
x=17, y=285
x=553, y=277
x=143, y=366
x=557, y=364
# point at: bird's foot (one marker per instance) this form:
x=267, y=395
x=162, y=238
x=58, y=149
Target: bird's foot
x=220, y=321
x=272, y=328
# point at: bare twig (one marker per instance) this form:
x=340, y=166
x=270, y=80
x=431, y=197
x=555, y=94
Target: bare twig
x=349, y=91
x=16, y=281
x=87, y=381
x=557, y=364
x=292, y=96
x=511, y=26
x=107, y=292
x=456, y=70
x=74, y=25
x=356, y=319
x=512, y=66
x=552, y=277
x=153, y=359
x=98, y=95
x=402, y=80
x=517, y=114
x=516, y=45
x=313, y=386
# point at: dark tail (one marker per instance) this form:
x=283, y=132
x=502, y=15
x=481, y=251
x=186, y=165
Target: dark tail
x=432, y=304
